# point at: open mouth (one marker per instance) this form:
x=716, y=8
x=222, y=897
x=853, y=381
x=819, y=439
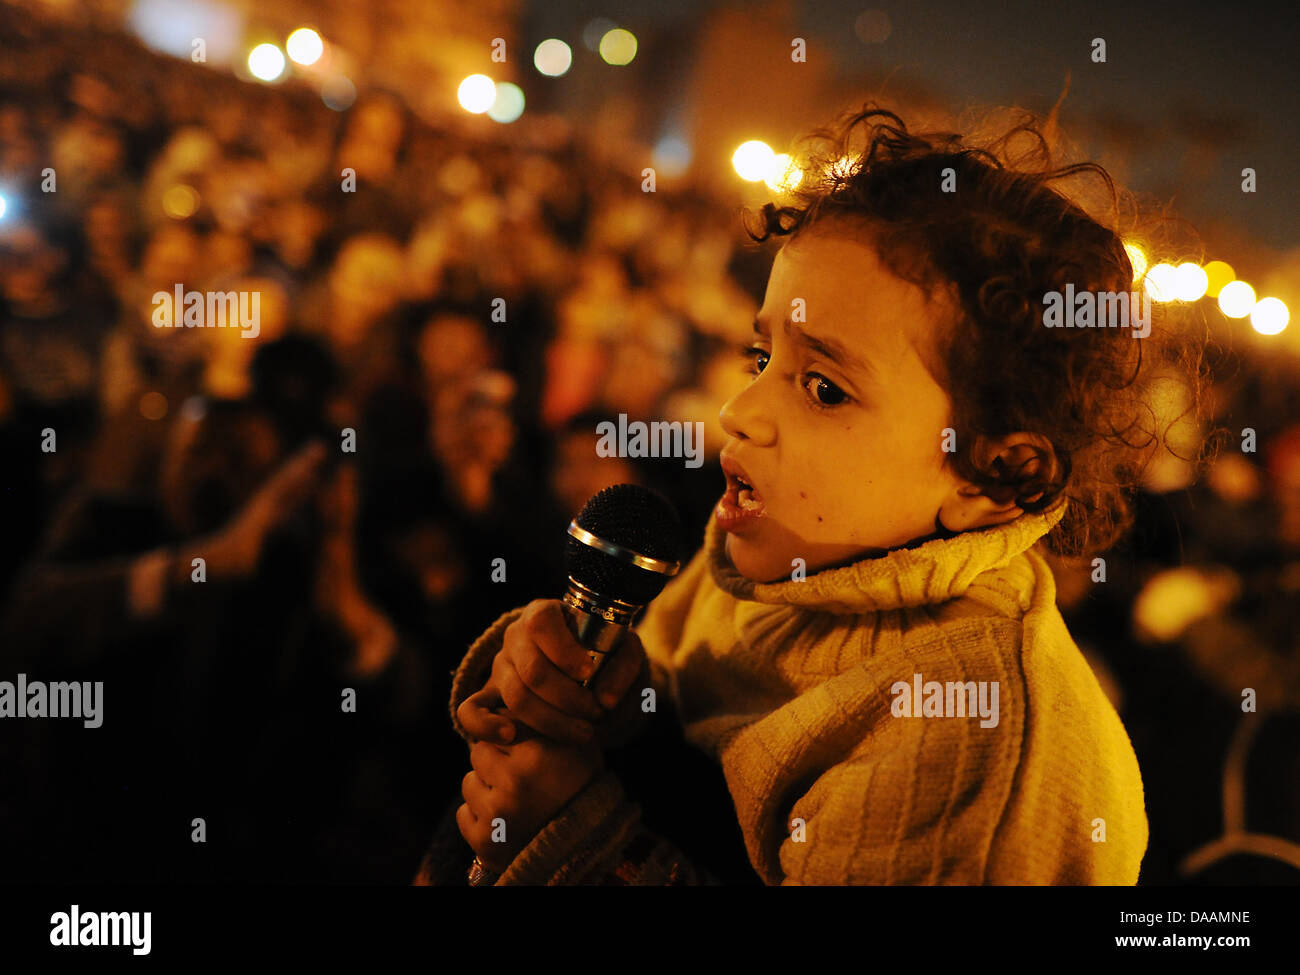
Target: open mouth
x=743, y=493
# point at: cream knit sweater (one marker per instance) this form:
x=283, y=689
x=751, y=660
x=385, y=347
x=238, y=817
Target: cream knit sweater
x=794, y=688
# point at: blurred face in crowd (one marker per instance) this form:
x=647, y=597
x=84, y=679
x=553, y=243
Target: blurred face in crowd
x=236, y=191
x=297, y=227
x=170, y=258
x=377, y=121
x=366, y=283
x=429, y=555
x=18, y=150
x=87, y=151
x=579, y=472
x=646, y=361
x=227, y=252
x=229, y=353
x=106, y=228
x=26, y=278
x=453, y=348
x=212, y=464
x=373, y=138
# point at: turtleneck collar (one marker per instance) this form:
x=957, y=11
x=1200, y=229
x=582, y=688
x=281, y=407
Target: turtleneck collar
x=933, y=572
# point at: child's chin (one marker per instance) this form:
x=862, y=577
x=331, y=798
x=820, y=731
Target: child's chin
x=752, y=563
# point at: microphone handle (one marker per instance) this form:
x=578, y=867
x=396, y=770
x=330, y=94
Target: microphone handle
x=600, y=636
x=597, y=622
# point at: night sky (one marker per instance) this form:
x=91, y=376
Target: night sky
x=1191, y=92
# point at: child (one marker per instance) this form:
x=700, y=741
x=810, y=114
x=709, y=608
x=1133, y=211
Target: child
x=868, y=643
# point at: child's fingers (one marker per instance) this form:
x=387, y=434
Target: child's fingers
x=543, y=622
x=541, y=676
x=535, y=712
x=476, y=716
x=619, y=671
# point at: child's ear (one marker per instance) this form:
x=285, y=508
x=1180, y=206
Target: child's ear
x=968, y=508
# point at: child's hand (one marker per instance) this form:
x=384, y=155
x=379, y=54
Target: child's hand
x=516, y=790
x=537, y=674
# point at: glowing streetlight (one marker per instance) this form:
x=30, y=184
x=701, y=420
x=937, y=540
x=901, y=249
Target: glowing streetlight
x=1190, y=282
x=266, y=62
x=552, y=57
x=618, y=46
x=1219, y=274
x=753, y=160
x=477, y=93
x=1269, y=316
x=509, y=104
x=1161, y=284
x=783, y=175
x=1236, y=299
x=304, y=46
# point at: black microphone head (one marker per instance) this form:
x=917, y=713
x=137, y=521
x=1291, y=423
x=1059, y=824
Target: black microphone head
x=635, y=518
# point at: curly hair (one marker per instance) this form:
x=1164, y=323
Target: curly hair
x=993, y=248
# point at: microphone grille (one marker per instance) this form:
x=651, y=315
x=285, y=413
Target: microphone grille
x=635, y=518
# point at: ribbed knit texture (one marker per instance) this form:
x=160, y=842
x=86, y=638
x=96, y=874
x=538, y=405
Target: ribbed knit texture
x=789, y=687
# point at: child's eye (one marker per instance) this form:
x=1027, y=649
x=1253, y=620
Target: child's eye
x=757, y=358
x=825, y=394
x=824, y=391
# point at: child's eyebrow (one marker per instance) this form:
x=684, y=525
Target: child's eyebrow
x=831, y=348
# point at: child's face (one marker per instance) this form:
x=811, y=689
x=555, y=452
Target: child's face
x=846, y=457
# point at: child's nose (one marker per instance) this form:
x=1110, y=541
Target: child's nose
x=744, y=418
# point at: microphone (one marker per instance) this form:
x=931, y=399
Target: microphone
x=622, y=549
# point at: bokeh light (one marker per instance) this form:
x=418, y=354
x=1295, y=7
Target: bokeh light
x=4, y=205
x=172, y=27
x=509, y=104
x=618, y=47
x=783, y=175
x=594, y=31
x=1138, y=258
x=672, y=155
x=304, y=46
x=266, y=62
x=1236, y=299
x=153, y=406
x=552, y=57
x=1218, y=273
x=753, y=160
x=1161, y=282
x=1190, y=282
x=338, y=93
x=476, y=93
x=180, y=201
x=1269, y=316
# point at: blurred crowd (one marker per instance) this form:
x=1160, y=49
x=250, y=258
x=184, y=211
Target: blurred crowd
x=469, y=310
x=444, y=318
